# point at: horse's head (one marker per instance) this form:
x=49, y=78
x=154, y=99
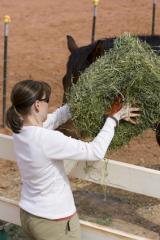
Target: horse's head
x=79, y=59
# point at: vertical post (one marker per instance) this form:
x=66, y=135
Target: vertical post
x=95, y=4
x=6, y=28
x=153, y=16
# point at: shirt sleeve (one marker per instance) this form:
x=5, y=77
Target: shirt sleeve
x=57, y=146
x=57, y=118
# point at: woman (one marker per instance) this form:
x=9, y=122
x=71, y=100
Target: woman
x=48, y=210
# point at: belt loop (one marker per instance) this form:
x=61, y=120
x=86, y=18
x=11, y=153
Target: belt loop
x=68, y=226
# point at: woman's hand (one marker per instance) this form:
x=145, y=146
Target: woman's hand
x=125, y=112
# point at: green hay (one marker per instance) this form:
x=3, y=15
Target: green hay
x=131, y=69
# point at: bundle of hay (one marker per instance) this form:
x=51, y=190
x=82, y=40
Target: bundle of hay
x=130, y=69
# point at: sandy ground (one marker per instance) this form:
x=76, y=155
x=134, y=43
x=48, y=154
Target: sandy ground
x=38, y=50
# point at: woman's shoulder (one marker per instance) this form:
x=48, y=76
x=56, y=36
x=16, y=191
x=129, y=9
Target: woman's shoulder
x=34, y=132
x=51, y=134
x=40, y=135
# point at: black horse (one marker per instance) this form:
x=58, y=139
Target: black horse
x=81, y=57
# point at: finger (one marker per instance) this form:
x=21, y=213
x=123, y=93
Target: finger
x=132, y=121
x=134, y=109
x=134, y=114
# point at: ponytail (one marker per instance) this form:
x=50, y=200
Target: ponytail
x=14, y=120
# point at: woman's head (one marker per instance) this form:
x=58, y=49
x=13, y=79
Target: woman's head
x=28, y=98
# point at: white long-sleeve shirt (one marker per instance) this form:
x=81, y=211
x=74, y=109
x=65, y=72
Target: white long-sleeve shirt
x=40, y=152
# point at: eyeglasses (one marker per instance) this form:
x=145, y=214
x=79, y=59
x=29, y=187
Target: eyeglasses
x=45, y=100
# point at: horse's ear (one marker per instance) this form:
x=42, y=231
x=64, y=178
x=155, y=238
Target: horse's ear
x=71, y=43
x=96, y=52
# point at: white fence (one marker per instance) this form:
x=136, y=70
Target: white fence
x=112, y=173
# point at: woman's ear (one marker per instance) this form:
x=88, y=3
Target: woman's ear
x=36, y=106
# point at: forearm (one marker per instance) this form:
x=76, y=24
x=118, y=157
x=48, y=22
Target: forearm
x=103, y=140
x=91, y=151
x=57, y=118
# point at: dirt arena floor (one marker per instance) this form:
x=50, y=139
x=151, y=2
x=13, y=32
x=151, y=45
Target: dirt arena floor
x=38, y=50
